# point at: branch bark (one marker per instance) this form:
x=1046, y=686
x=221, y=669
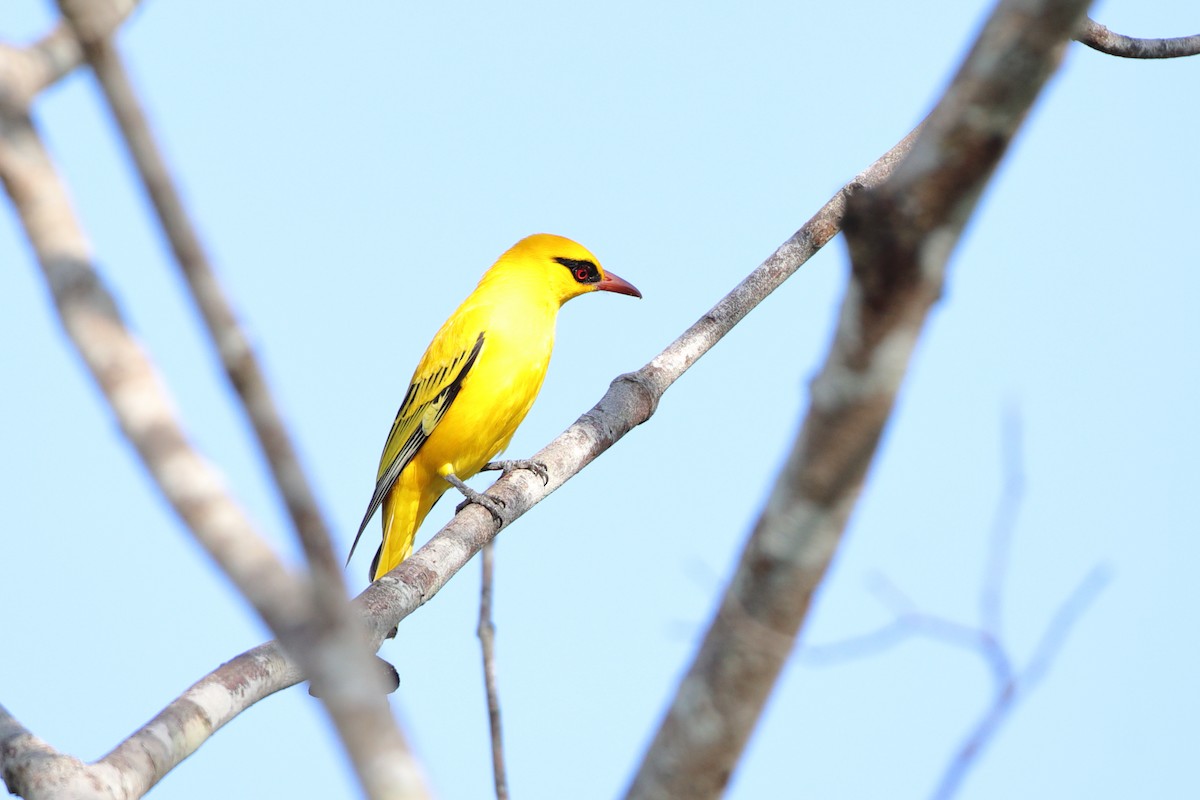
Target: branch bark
x=1098, y=37
x=900, y=234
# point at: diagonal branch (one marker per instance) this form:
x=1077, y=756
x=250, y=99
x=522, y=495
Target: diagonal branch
x=324, y=638
x=322, y=630
x=230, y=340
x=900, y=234
x=1098, y=37
x=256, y=674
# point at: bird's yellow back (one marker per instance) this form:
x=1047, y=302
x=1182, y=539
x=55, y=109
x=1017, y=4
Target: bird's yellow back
x=477, y=381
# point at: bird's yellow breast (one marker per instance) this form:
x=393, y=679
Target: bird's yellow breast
x=518, y=336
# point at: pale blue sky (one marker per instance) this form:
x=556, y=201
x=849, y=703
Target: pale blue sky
x=353, y=172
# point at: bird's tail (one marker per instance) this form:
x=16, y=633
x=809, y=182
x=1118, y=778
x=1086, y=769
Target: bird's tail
x=404, y=510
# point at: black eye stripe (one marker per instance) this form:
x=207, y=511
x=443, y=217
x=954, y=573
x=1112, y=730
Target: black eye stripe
x=582, y=269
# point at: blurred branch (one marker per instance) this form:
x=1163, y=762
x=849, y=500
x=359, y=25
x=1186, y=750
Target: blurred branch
x=229, y=339
x=487, y=643
x=1016, y=684
x=130, y=383
x=39, y=768
x=900, y=234
x=1003, y=525
x=1098, y=37
x=321, y=629
x=26, y=71
x=328, y=646
x=1010, y=683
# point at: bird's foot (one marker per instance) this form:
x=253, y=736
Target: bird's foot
x=508, y=465
x=494, y=505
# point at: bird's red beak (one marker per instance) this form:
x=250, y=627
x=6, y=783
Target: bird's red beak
x=615, y=283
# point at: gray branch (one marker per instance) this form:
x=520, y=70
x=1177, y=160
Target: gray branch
x=1098, y=37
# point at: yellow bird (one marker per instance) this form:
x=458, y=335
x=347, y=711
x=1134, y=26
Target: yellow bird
x=474, y=385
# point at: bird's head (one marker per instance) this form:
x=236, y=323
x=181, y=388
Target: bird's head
x=566, y=268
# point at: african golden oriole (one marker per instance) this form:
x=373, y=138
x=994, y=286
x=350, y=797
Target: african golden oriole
x=475, y=383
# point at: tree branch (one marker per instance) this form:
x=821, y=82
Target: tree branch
x=1098, y=37
x=26, y=71
x=487, y=643
x=328, y=646
x=229, y=339
x=1010, y=682
x=1018, y=683
x=180, y=728
x=900, y=234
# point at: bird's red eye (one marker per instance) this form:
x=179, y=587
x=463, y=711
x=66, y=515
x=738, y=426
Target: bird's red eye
x=581, y=269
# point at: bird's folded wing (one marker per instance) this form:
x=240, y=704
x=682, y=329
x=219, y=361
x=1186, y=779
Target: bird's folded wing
x=430, y=395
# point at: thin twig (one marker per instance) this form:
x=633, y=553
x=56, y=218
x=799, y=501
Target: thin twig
x=1010, y=683
x=1003, y=526
x=487, y=643
x=1098, y=37
x=1020, y=683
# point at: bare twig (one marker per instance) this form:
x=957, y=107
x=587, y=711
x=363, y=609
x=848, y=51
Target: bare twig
x=487, y=643
x=1098, y=37
x=1010, y=682
x=1018, y=683
x=909, y=621
x=1003, y=526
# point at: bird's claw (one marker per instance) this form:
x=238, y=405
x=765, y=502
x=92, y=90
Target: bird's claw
x=508, y=465
x=494, y=505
